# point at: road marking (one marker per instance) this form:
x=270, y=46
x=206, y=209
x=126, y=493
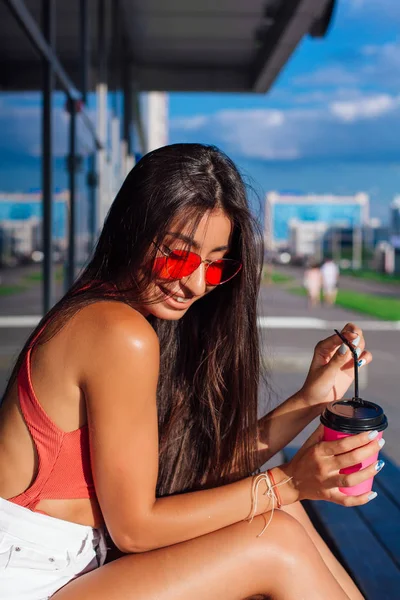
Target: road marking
x=263, y=323
x=20, y=321
x=311, y=323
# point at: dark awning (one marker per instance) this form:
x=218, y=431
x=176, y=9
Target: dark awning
x=207, y=45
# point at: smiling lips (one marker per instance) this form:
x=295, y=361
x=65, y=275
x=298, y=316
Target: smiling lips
x=175, y=297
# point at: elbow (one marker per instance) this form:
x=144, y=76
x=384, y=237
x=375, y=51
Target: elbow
x=133, y=544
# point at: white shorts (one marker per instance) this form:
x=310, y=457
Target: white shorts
x=40, y=554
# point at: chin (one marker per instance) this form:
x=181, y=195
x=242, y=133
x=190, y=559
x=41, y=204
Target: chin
x=160, y=311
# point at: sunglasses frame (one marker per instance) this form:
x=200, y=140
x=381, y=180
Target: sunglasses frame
x=205, y=261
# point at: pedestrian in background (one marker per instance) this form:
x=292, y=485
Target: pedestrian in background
x=330, y=277
x=312, y=281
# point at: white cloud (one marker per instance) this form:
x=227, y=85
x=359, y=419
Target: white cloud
x=332, y=75
x=372, y=64
x=356, y=126
x=20, y=125
x=379, y=9
x=364, y=108
x=265, y=118
x=190, y=123
x=255, y=132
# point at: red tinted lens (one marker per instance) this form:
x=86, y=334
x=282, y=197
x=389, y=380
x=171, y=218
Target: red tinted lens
x=178, y=264
x=220, y=271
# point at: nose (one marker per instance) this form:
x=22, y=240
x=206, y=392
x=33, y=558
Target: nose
x=196, y=282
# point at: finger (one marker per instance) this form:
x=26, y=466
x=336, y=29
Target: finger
x=359, y=340
x=333, y=341
x=364, y=358
x=352, y=328
x=325, y=349
x=346, y=444
x=343, y=358
x=344, y=480
x=357, y=456
x=344, y=500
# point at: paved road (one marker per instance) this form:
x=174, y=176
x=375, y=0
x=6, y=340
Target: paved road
x=357, y=284
x=287, y=351
x=29, y=301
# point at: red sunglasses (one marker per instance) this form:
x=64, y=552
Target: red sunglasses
x=176, y=264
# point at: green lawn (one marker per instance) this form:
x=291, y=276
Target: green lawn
x=8, y=290
x=382, y=307
x=277, y=277
x=373, y=276
x=28, y=281
x=37, y=276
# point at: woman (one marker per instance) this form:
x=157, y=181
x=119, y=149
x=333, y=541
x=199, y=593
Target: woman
x=312, y=283
x=151, y=360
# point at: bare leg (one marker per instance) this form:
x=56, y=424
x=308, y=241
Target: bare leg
x=228, y=564
x=340, y=574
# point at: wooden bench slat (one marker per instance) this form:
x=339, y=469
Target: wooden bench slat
x=360, y=552
x=383, y=518
x=389, y=480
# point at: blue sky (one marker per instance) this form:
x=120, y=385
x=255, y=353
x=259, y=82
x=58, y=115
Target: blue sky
x=331, y=123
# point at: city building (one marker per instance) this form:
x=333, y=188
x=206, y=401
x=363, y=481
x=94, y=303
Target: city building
x=285, y=211
x=395, y=216
x=395, y=222
x=306, y=238
x=19, y=239
x=20, y=207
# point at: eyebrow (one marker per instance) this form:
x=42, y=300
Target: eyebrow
x=193, y=243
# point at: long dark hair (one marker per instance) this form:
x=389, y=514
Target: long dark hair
x=210, y=358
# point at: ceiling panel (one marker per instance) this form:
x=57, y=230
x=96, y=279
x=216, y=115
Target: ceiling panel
x=167, y=38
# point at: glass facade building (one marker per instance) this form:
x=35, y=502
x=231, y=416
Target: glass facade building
x=334, y=211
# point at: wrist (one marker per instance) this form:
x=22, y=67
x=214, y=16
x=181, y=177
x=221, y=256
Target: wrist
x=314, y=407
x=287, y=491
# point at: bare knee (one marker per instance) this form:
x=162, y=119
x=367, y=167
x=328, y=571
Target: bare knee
x=284, y=544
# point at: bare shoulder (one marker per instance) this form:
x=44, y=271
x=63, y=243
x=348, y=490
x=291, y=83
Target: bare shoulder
x=108, y=331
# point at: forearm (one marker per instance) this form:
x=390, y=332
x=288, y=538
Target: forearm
x=280, y=426
x=181, y=517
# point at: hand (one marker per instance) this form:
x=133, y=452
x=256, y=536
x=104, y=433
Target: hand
x=332, y=372
x=316, y=468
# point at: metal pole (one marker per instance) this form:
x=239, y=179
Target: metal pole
x=127, y=117
x=101, y=41
x=101, y=101
x=48, y=25
x=92, y=184
x=33, y=32
x=72, y=193
x=85, y=48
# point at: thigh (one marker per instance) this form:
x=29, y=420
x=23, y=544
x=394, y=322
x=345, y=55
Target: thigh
x=231, y=563
x=297, y=511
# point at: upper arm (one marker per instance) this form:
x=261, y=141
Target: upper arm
x=120, y=383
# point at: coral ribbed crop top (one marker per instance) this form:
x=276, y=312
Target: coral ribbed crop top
x=64, y=470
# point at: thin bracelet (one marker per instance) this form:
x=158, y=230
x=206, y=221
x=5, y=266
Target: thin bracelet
x=270, y=492
x=275, y=487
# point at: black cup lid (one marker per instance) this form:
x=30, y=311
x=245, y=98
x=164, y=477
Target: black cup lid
x=354, y=416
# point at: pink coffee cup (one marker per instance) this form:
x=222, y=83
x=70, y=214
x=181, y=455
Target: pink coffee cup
x=350, y=417
x=366, y=486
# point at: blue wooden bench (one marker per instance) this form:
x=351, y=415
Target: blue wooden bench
x=365, y=539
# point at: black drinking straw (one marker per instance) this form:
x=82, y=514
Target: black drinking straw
x=355, y=357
